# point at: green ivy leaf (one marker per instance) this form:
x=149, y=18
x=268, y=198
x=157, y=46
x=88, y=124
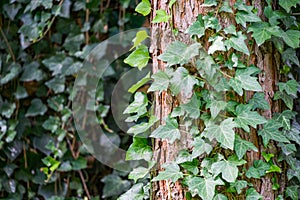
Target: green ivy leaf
x=32, y=72
x=209, y=3
x=139, y=149
x=288, y=4
x=192, y=108
x=289, y=55
x=226, y=7
x=239, y=185
x=216, y=107
x=191, y=166
x=160, y=83
x=204, y=187
x=168, y=131
x=242, y=17
x=36, y=108
x=114, y=185
x=138, y=173
x=242, y=146
x=179, y=53
x=263, y=31
x=238, y=43
x=258, y=169
x=57, y=84
x=183, y=82
x=228, y=170
x=161, y=16
x=135, y=192
x=51, y=124
x=258, y=101
x=138, y=106
x=274, y=168
x=292, y=192
x=291, y=87
x=138, y=58
x=144, y=7
x=287, y=99
x=245, y=117
x=14, y=71
x=200, y=147
x=140, y=83
x=271, y=132
x=142, y=127
x=140, y=37
x=231, y=29
x=252, y=194
x=285, y=118
x=172, y=171
x=217, y=45
x=197, y=28
x=291, y=38
x=223, y=133
x=243, y=80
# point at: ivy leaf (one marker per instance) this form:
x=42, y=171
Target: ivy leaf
x=287, y=99
x=172, y=171
x=209, y=3
x=200, y=147
x=223, y=133
x=204, y=187
x=242, y=146
x=57, y=84
x=289, y=55
x=258, y=169
x=239, y=185
x=179, y=53
x=252, y=194
x=169, y=131
x=144, y=7
x=231, y=29
x=138, y=173
x=288, y=4
x=217, y=45
x=284, y=118
x=160, y=83
x=292, y=192
x=263, y=31
x=291, y=38
x=291, y=87
x=215, y=107
x=226, y=7
x=13, y=71
x=245, y=117
x=197, y=28
x=228, y=169
x=183, y=156
x=138, y=106
x=220, y=197
x=191, y=166
x=242, y=17
x=36, y=108
x=142, y=127
x=138, y=58
x=114, y=185
x=238, y=43
x=139, y=149
x=210, y=21
x=161, y=16
x=271, y=132
x=139, y=84
x=192, y=108
x=135, y=192
x=243, y=80
x=258, y=101
x=140, y=37
x=183, y=82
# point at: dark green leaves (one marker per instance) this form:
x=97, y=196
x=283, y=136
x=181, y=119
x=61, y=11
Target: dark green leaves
x=258, y=169
x=139, y=149
x=179, y=53
x=288, y=4
x=168, y=131
x=258, y=101
x=137, y=107
x=36, y=108
x=263, y=31
x=172, y=171
x=290, y=87
x=242, y=17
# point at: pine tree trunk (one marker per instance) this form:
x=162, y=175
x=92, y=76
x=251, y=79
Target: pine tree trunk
x=184, y=13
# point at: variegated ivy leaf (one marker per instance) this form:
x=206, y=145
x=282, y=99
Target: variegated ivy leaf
x=200, y=147
x=172, y=171
x=291, y=87
x=217, y=45
x=287, y=4
x=138, y=173
x=252, y=194
x=192, y=108
x=142, y=127
x=262, y=31
x=258, y=101
x=238, y=43
x=242, y=146
x=160, y=83
x=179, y=53
x=137, y=107
x=223, y=133
x=135, y=192
x=204, y=187
x=168, y=131
x=216, y=107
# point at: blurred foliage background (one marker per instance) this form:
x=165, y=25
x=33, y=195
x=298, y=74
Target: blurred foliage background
x=43, y=44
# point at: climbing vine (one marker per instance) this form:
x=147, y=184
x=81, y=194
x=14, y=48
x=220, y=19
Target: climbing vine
x=215, y=80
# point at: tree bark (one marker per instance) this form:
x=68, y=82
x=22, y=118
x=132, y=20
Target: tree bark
x=184, y=13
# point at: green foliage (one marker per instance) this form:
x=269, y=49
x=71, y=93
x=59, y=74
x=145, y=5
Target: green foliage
x=161, y=16
x=144, y=7
x=172, y=171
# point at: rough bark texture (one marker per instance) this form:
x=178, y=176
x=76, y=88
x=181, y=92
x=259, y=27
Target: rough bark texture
x=184, y=13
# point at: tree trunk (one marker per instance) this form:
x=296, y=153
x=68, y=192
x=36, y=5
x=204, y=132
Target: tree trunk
x=184, y=13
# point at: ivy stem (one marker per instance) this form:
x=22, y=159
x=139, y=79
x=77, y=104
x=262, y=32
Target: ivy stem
x=225, y=74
